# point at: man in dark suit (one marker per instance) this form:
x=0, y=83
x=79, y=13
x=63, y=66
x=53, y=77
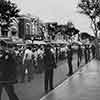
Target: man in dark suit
x=86, y=54
x=7, y=73
x=49, y=62
x=79, y=56
x=93, y=51
x=69, y=59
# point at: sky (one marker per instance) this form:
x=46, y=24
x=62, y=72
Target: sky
x=60, y=11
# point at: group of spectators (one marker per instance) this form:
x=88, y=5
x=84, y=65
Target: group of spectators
x=29, y=58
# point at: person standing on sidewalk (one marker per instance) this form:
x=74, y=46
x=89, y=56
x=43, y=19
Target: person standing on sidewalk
x=49, y=65
x=79, y=56
x=93, y=51
x=86, y=54
x=69, y=59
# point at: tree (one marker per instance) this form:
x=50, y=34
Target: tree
x=91, y=8
x=8, y=10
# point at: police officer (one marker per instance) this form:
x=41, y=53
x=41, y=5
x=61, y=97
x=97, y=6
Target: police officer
x=79, y=55
x=86, y=54
x=93, y=51
x=7, y=73
x=49, y=63
x=69, y=59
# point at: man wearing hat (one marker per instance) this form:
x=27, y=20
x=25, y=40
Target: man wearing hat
x=69, y=59
x=49, y=63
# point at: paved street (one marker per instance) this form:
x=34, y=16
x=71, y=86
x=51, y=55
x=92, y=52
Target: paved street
x=83, y=85
x=35, y=90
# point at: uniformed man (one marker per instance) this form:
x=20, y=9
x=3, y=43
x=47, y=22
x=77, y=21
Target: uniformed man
x=69, y=59
x=93, y=51
x=86, y=54
x=49, y=62
x=79, y=56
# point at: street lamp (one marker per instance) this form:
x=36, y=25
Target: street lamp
x=32, y=38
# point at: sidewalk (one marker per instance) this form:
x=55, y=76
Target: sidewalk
x=83, y=85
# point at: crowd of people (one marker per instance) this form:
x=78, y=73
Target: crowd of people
x=23, y=61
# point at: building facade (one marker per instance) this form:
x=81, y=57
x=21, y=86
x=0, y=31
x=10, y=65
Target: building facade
x=24, y=27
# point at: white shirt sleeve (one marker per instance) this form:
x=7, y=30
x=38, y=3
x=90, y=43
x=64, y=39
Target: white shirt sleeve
x=24, y=57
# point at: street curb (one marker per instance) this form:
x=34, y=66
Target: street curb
x=66, y=80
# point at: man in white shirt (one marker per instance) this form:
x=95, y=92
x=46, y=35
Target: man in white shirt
x=27, y=61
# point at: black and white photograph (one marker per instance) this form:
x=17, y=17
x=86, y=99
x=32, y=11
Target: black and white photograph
x=49, y=49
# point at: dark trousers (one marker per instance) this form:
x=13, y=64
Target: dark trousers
x=79, y=60
x=9, y=88
x=28, y=66
x=48, y=80
x=93, y=54
x=70, y=67
x=86, y=58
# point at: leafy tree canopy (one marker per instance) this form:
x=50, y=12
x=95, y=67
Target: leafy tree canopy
x=7, y=11
x=91, y=8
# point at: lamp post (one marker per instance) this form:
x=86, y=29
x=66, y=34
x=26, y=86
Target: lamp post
x=32, y=38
